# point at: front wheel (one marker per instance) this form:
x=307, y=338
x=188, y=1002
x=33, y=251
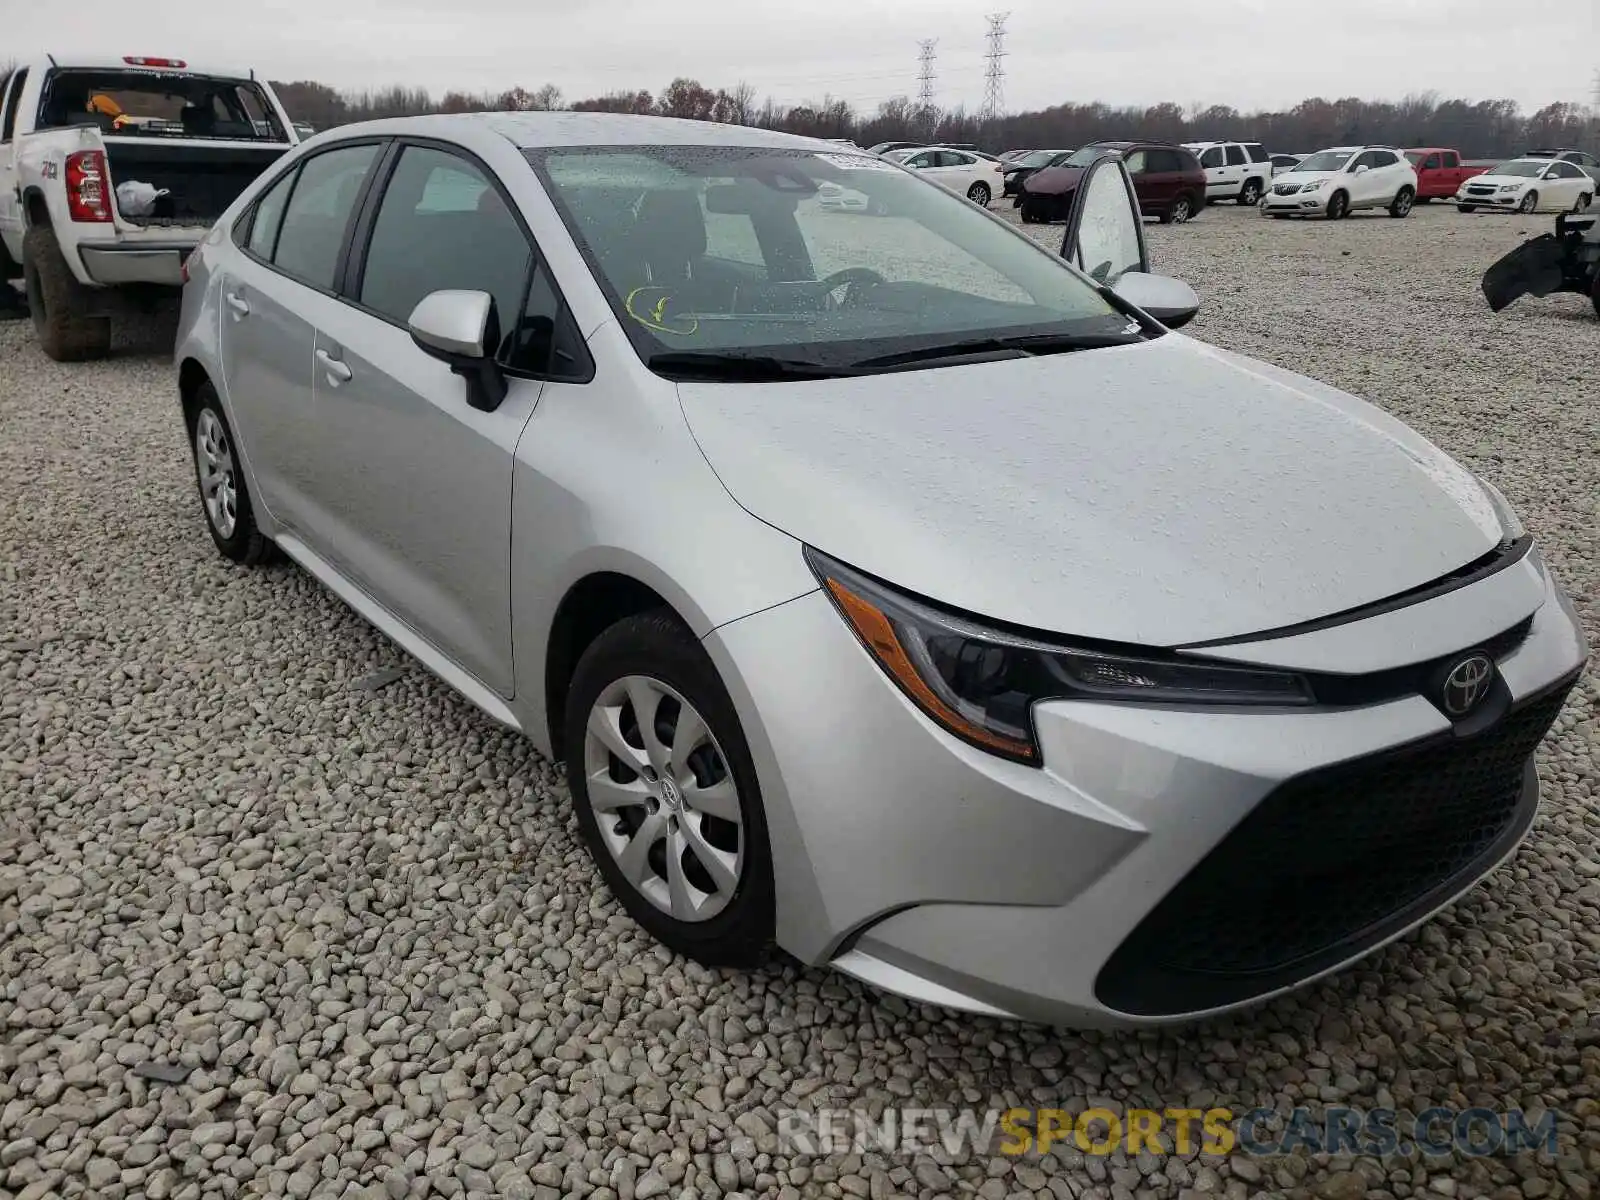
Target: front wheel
x=1466, y=208
x=1530, y=203
x=1401, y=207
x=979, y=194
x=1581, y=204
x=1338, y=206
x=665, y=791
x=1032, y=212
x=1250, y=196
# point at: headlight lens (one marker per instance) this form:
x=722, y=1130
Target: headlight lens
x=981, y=683
x=1314, y=186
x=1510, y=187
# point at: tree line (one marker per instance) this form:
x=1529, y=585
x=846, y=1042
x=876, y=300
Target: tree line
x=1480, y=129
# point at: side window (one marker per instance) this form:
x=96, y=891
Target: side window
x=1367, y=159
x=1451, y=159
x=442, y=225
x=1431, y=163
x=927, y=158
x=1257, y=154
x=1386, y=158
x=8, y=119
x=1138, y=162
x=1235, y=155
x=545, y=341
x=318, y=213
x=267, y=216
x=1212, y=157
x=1565, y=170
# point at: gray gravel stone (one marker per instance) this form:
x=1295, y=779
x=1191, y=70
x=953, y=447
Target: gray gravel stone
x=264, y=932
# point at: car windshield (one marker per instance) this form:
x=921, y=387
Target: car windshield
x=1082, y=158
x=1325, y=160
x=159, y=104
x=706, y=250
x=1037, y=159
x=1527, y=170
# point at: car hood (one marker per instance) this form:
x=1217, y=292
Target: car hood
x=1053, y=180
x=1303, y=176
x=1159, y=494
x=1497, y=180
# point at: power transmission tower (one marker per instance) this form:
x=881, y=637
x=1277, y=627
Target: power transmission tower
x=994, y=79
x=925, y=77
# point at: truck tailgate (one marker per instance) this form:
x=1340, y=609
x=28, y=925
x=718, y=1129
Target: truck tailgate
x=201, y=179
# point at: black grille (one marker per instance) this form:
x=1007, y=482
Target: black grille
x=1329, y=863
x=1286, y=189
x=1475, y=190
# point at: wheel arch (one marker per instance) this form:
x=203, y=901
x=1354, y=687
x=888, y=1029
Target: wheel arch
x=35, y=208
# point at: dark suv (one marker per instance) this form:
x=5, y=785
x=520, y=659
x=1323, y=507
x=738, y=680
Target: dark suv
x=1169, y=180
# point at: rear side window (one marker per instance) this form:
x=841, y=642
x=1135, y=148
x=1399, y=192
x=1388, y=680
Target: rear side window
x=268, y=216
x=442, y=224
x=1236, y=156
x=8, y=119
x=1565, y=170
x=318, y=213
x=1384, y=158
x=1431, y=162
x=1452, y=159
x=1257, y=154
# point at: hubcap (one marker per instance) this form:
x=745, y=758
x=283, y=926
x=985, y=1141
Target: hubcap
x=214, y=458
x=1180, y=212
x=664, y=798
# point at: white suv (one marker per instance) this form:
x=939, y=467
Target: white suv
x=1336, y=181
x=1237, y=171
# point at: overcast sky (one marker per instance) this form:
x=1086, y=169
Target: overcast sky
x=1248, y=53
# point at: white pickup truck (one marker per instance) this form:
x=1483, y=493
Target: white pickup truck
x=111, y=171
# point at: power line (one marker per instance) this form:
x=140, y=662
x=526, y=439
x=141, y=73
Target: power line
x=925, y=55
x=994, y=79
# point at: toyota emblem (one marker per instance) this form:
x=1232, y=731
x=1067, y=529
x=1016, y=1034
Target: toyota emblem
x=1466, y=685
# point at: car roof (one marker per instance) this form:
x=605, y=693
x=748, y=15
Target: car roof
x=538, y=130
x=1218, y=142
x=97, y=62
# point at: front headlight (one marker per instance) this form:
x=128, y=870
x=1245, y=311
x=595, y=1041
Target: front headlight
x=1315, y=186
x=980, y=683
x=1511, y=187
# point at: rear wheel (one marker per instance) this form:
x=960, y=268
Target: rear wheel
x=1180, y=212
x=60, y=303
x=1530, y=203
x=1401, y=207
x=979, y=194
x=1250, y=195
x=220, y=478
x=665, y=791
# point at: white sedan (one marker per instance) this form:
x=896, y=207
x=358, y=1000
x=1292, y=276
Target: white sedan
x=1529, y=185
x=977, y=178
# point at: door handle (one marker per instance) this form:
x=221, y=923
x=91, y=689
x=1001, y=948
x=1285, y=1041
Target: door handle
x=337, y=371
x=236, y=302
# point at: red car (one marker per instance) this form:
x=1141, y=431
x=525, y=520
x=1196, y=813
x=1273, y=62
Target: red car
x=1168, y=179
x=1439, y=172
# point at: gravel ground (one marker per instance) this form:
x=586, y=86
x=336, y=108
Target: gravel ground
x=360, y=921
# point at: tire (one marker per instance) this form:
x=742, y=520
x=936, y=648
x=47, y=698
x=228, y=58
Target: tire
x=653, y=656
x=980, y=194
x=59, y=303
x=219, y=481
x=1338, y=206
x=1424, y=200
x=1279, y=216
x=1466, y=208
x=1581, y=204
x=1181, y=211
x=1250, y=194
x=1594, y=294
x=1530, y=203
x=1032, y=212
x=1401, y=205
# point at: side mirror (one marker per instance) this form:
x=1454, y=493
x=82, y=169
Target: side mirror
x=1105, y=230
x=462, y=329
x=1170, y=301
x=1363, y=169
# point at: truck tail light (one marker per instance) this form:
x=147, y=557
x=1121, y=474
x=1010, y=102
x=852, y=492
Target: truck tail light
x=137, y=61
x=88, y=188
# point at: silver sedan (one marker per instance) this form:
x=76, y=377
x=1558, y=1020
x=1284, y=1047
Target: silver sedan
x=894, y=591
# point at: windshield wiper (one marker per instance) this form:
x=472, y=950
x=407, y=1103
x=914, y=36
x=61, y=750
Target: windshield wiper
x=1031, y=344
x=705, y=364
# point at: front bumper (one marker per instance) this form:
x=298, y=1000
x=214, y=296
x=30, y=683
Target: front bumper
x=1508, y=202
x=1147, y=872
x=1300, y=202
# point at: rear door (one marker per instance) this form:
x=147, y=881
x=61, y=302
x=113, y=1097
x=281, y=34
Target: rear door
x=291, y=243
x=1566, y=186
x=11, y=222
x=413, y=484
x=1151, y=184
x=1236, y=164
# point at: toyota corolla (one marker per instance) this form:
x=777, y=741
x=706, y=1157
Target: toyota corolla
x=893, y=591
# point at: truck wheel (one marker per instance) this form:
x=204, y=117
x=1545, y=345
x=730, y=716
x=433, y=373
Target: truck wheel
x=1530, y=203
x=1250, y=194
x=59, y=303
x=1401, y=206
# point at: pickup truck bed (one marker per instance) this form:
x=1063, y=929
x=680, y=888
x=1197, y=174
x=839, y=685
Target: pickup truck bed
x=202, y=180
